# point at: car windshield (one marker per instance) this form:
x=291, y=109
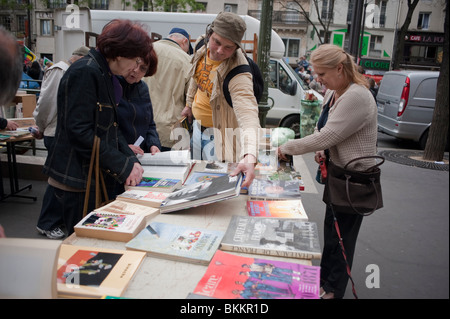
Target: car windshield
x=298, y=78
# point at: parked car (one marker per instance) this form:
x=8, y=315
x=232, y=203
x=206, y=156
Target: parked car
x=406, y=102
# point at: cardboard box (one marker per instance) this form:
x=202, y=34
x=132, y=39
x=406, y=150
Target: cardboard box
x=28, y=103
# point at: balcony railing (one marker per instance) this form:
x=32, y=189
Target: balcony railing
x=292, y=18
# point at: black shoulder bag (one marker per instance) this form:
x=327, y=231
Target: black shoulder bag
x=354, y=192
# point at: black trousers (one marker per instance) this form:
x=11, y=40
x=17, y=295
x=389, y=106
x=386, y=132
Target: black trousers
x=333, y=272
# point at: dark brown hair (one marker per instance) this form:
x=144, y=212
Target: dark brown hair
x=127, y=39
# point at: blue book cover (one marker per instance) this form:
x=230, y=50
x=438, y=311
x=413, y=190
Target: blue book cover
x=176, y=242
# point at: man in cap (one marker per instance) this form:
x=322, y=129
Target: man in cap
x=45, y=115
x=169, y=84
x=217, y=124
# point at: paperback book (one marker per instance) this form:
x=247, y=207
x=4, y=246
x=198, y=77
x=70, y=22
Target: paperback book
x=235, y=277
x=166, y=185
x=277, y=208
x=265, y=189
x=92, y=272
x=176, y=242
x=196, y=177
x=282, y=237
x=202, y=193
x=143, y=197
x=118, y=221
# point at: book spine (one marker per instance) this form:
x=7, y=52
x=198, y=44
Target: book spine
x=268, y=252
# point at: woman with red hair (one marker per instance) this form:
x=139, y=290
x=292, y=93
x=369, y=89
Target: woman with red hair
x=87, y=101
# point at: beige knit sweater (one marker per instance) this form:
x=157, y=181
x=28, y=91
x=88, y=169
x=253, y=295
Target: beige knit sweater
x=350, y=131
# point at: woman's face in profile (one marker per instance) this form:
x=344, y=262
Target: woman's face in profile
x=124, y=66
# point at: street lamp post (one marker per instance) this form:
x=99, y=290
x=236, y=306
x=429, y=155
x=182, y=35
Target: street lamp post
x=264, y=41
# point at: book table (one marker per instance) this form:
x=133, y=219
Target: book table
x=166, y=279
x=12, y=169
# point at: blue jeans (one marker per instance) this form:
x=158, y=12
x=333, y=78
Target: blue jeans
x=202, y=143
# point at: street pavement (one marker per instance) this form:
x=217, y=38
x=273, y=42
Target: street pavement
x=402, y=250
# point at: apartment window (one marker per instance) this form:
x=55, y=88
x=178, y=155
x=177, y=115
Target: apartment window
x=423, y=21
x=327, y=10
x=292, y=47
x=20, y=23
x=6, y=22
x=102, y=4
x=228, y=7
x=46, y=28
x=375, y=46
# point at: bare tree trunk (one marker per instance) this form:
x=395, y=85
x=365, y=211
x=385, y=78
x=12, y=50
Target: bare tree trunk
x=398, y=56
x=438, y=135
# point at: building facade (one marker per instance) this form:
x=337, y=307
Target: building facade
x=299, y=23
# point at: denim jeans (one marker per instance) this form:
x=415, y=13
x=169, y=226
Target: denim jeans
x=202, y=143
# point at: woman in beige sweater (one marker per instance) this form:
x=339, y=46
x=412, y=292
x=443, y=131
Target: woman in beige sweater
x=346, y=129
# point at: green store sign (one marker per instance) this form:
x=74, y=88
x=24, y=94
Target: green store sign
x=372, y=64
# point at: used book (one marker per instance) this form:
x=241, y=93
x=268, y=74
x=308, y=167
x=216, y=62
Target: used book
x=92, y=272
x=165, y=185
x=274, y=189
x=202, y=193
x=170, y=158
x=118, y=221
x=176, y=242
x=167, y=165
x=235, y=277
x=196, y=177
x=282, y=237
x=277, y=208
x=143, y=197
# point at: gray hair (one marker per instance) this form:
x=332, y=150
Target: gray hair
x=11, y=59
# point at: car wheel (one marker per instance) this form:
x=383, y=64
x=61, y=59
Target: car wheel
x=292, y=122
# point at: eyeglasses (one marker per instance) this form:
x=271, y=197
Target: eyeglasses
x=141, y=68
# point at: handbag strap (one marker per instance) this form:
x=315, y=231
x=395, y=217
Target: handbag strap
x=367, y=157
x=347, y=177
x=94, y=168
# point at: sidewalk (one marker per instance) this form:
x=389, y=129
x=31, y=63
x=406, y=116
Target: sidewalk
x=402, y=250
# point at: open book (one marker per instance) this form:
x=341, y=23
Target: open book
x=170, y=158
x=202, y=193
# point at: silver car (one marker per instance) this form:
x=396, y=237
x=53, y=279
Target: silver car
x=405, y=102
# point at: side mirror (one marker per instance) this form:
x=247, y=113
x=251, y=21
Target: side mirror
x=293, y=88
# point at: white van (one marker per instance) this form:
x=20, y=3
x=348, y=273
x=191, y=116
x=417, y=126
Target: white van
x=286, y=89
x=406, y=102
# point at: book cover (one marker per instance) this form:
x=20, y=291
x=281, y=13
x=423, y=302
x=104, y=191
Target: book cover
x=92, y=272
x=110, y=226
x=235, y=277
x=118, y=221
x=180, y=172
x=277, y=208
x=274, y=189
x=166, y=185
x=143, y=197
x=196, y=177
x=202, y=193
x=282, y=237
x=178, y=242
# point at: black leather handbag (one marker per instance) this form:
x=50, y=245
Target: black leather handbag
x=354, y=192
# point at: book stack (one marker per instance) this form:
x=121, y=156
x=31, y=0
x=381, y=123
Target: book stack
x=164, y=171
x=93, y=272
x=119, y=221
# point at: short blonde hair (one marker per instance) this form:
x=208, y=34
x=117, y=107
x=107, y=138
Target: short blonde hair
x=330, y=56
